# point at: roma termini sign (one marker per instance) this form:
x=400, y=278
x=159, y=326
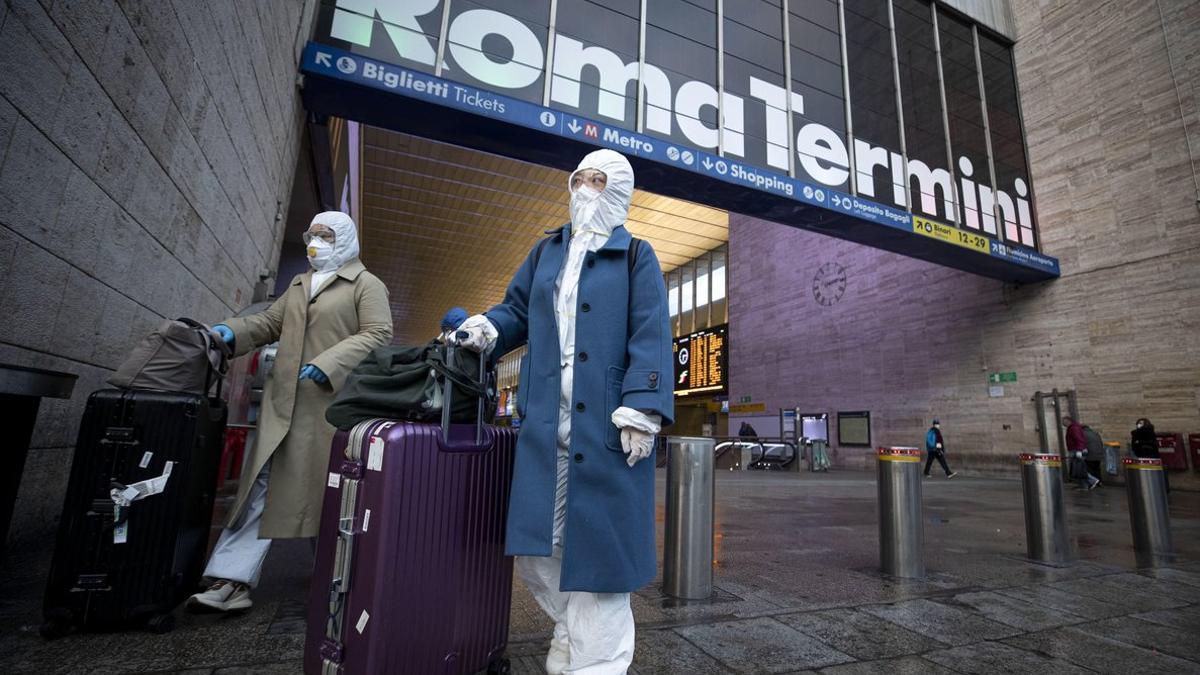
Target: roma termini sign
x=745, y=115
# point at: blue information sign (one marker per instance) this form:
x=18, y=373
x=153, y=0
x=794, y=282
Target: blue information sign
x=339, y=64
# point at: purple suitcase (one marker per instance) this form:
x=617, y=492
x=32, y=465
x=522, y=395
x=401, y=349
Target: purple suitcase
x=410, y=573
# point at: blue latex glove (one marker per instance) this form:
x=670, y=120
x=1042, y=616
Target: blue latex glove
x=225, y=333
x=311, y=372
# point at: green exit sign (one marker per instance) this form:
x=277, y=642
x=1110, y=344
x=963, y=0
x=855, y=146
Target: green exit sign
x=745, y=399
x=997, y=378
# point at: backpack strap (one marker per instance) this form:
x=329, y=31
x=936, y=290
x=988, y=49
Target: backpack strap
x=635, y=246
x=537, y=251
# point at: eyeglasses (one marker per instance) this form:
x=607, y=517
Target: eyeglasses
x=593, y=178
x=324, y=235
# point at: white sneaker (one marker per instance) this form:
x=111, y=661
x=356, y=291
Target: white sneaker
x=222, y=596
x=559, y=657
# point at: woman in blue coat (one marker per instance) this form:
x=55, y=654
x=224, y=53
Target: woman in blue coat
x=595, y=388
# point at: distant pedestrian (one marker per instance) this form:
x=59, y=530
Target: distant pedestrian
x=1095, y=449
x=935, y=447
x=1144, y=443
x=1077, y=446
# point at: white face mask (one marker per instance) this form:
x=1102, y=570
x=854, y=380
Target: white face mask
x=319, y=253
x=584, y=202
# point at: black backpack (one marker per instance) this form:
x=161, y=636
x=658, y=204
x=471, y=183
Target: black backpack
x=1095, y=444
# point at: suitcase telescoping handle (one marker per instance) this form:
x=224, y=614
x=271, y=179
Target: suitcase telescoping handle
x=448, y=392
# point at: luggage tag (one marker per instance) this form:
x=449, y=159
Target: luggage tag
x=142, y=488
x=335, y=480
x=362, y=622
x=126, y=496
x=120, y=532
x=375, y=456
x=146, y=460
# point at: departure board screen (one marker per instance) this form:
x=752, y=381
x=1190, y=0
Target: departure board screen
x=700, y=360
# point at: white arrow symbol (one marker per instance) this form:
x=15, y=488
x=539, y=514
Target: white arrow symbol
x=707, y=163
x=574, y=127
x=322, y=59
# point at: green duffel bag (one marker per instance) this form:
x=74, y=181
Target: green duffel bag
x=409, y=383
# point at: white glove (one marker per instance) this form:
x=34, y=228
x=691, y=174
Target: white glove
x=481, y=334
x=938, y=446
x=637, y=432
x=637, y=444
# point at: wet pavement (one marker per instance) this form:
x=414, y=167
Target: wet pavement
x=798, y=590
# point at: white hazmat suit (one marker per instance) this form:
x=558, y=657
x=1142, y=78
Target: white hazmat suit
x=593, y=632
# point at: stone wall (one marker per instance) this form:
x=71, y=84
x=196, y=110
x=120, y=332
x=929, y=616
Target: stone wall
x=147, y=149
x=1117, y=204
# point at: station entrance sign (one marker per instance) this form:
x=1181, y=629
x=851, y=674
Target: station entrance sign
x=570, y=90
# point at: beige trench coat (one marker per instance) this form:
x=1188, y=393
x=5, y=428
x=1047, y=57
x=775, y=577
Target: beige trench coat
x=348, y=318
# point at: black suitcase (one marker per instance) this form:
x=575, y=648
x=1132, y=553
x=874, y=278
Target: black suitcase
x=124, y=566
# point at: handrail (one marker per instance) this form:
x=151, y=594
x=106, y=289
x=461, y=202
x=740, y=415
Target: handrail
x=759, y=448
x=722, y=445
x=752, y=439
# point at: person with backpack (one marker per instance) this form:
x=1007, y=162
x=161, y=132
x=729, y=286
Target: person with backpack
x=596, y=386
x=935, y=448
x=1095, y=450
x=326, y=322
x=747, y=431
x=1078, y=448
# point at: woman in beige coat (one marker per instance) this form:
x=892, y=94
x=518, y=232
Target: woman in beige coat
x=326, y=323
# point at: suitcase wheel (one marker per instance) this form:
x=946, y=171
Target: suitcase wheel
x=499, y=667
x=161, y=623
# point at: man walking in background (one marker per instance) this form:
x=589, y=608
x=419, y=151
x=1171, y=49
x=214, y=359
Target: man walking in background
x=1077, y=445
x=935, y=447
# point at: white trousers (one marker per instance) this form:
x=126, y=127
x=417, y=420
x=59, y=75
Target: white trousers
x=596, y=628
x=239, y=553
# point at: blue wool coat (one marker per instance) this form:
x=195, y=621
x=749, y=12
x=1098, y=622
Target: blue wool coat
x=623, y=358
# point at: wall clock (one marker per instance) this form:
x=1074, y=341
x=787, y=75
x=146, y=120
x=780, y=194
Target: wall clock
x=829, y=284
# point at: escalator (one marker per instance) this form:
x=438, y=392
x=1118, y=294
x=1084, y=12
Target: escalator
x=775, y=457
x=761, y=455
x=733, y=455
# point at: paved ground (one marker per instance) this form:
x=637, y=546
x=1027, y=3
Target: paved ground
x=798, y=591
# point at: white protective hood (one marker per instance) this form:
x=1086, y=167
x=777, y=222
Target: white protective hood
x=611, y=210
x=585, y=237
x=345, y=244
x=614, y=201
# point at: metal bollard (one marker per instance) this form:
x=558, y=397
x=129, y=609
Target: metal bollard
x=901, y=532
x=1046, y=536
x=1148, y=510
x=688, y=541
